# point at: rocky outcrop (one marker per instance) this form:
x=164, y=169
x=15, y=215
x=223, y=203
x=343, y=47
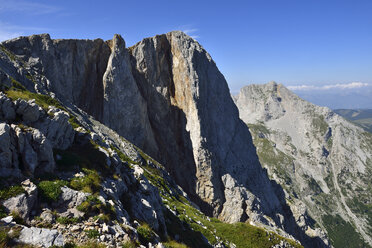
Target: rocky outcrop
x=24, y=203
x=41, y=237
x=317, y=156
x=30, y=140
x=122, y=99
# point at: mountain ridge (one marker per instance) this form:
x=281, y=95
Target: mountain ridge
x=322, y=156
x=166, y=95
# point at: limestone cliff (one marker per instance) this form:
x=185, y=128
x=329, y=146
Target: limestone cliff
x=167, y=96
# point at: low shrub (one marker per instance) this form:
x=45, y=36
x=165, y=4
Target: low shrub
x=174, y=244
x=8, y=192
x=17, y=218
x=145, y=233
x=67, y=220
x=90, y=183
x=92, y=233
x=50, y=190
x=130, y=244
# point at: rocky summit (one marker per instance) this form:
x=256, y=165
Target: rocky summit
x=143, y=146
x=322, y=161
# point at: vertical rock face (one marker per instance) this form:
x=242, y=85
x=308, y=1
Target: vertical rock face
x=197, y=127
x=124, y=109
x=73, y=68
x=167, y=96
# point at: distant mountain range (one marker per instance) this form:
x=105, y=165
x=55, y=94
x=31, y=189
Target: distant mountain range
x=361, y=117
x=338, y=96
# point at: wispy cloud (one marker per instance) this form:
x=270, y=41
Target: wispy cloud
x=9, y=31
x=353, y=85
x=192, y=32
x=31, y=8
x=6, y=35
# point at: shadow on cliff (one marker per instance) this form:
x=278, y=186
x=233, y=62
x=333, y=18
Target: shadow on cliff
x=175, y=151
x=289, y=224
x=168, y=124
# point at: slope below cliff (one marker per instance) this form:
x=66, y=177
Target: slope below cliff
x=321, y=160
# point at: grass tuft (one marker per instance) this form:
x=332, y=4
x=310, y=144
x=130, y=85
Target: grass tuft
x=145, y=234
x=8, y=192
x=51, y=190
x=90, y=183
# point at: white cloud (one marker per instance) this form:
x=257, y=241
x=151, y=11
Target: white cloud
x=353, y=85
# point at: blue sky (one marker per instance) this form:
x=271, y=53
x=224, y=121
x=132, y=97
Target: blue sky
x=294, y=42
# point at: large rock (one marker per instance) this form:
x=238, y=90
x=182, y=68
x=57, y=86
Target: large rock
x=71, y=198
x=41, y=237
x=23, y=203
x=5, y=152
x=57, y=130
x=146, y=204
x=29, y=111
x=7, y=111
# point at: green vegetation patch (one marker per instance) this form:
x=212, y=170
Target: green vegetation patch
x=90, y=244
x=174, y=244
x=314, y=186
x=257, y=128
x=130, y=244
x=92, y=233
x=8, y=53
x=341, y=233
x=246, y=235
x=51, y=190
x=67, y=220
x=145, y=233
x=8, y=192
x=90, y=183
x=268, y=155
x=43, y=101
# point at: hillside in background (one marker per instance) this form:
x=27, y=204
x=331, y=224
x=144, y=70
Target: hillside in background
x=361, y=117
x=322, y=161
